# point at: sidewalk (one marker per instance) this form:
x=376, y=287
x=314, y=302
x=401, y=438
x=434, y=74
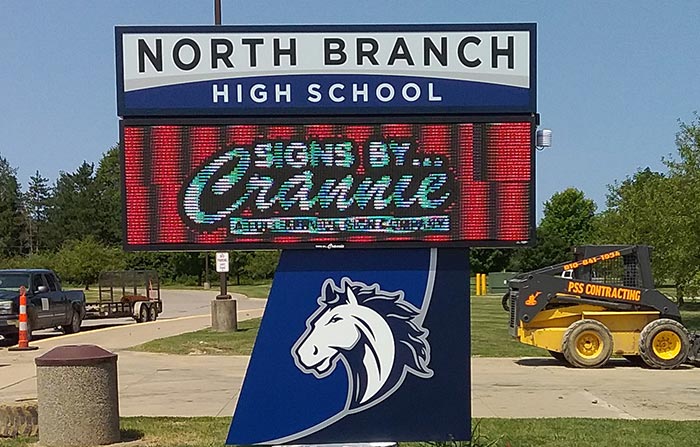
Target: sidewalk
x=149, y=384
x=171, y=385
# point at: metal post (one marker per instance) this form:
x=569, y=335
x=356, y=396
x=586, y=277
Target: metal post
x=206, y=284
x=224, y=316
x=224, y=292
x=217, y=12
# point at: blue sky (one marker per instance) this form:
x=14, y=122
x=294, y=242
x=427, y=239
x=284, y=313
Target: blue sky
x=614, y=78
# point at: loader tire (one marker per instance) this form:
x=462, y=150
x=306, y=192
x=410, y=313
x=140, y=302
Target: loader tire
x=587, y=344
x=664, y=344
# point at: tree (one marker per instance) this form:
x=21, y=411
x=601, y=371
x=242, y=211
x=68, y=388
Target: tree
x=569, y=215
x=72, y=210
x=36, y=202
x=12, y=221
x=262, y=264
x=568, y=220
x=81, y=261
x=662, y=211
x=489, y=260
x=681, y=232
x=550, y=249
x=635, y=213
x=238, y=260
x=108, y=209
x=158, y=261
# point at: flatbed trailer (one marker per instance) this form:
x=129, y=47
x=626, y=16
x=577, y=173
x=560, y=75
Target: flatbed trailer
x=127, y=293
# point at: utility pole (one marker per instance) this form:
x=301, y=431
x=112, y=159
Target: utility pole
x=224, y=316
x=217, y=12
x=207, y=284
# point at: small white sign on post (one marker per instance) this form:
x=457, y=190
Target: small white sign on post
x=222, y=262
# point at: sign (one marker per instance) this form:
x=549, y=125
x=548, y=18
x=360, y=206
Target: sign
x=222, y=265
x=360, y=346
x=225, y=184
x=326, y=70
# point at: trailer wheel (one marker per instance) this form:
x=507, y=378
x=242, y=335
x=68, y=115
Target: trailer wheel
x=143, y=314
x=664, y=344
x=152, y=313
x=587, y=344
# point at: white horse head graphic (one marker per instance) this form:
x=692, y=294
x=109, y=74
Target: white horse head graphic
x=375, y=333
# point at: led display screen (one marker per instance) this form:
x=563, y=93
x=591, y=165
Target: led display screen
x=242, y=185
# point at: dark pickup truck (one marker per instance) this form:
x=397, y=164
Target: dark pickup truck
x=48, y=305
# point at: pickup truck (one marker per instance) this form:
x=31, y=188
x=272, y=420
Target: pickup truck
x=48, y=306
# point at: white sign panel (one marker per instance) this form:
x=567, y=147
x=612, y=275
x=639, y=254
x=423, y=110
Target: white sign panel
x=222, y=262
x=226, y=70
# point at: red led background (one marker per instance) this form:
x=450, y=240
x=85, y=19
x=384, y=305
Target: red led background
x=490, y=163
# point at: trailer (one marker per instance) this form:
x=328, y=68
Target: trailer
x=127, y=293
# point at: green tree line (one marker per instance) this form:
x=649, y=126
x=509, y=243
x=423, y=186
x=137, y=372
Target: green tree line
x=74, y=225
x=660, y=209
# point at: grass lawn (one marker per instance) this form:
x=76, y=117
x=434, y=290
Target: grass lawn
x=490, y=336
x=251, y=291
x=211, y=431
x=691, y=316
x=207, y=342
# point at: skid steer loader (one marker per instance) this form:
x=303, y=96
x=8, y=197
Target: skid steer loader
x=601, y=303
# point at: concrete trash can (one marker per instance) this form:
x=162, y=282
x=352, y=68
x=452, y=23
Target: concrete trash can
x=78, y=397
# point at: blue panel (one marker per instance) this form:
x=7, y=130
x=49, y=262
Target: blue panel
x=360, y=346
x=454, y=95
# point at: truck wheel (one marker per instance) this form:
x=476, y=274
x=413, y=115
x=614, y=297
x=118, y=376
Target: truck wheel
x=12, y=339
x=143, y=314
x=664, y=344
x=152, y=313
x=587, y=344
x=74, y=326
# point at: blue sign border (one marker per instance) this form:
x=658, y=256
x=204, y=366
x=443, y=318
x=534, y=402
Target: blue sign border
x=531, y=107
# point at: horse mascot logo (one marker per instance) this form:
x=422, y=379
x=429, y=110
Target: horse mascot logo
x=377, y=335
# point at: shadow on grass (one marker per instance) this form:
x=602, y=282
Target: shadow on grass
x=692, y=306
x=130, y=434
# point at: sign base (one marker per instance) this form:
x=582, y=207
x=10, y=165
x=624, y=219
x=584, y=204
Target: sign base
x=361, y=346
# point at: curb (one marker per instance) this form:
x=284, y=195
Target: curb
x=20, y=419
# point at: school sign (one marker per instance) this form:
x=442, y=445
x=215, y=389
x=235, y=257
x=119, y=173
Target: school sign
x=380, y=153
